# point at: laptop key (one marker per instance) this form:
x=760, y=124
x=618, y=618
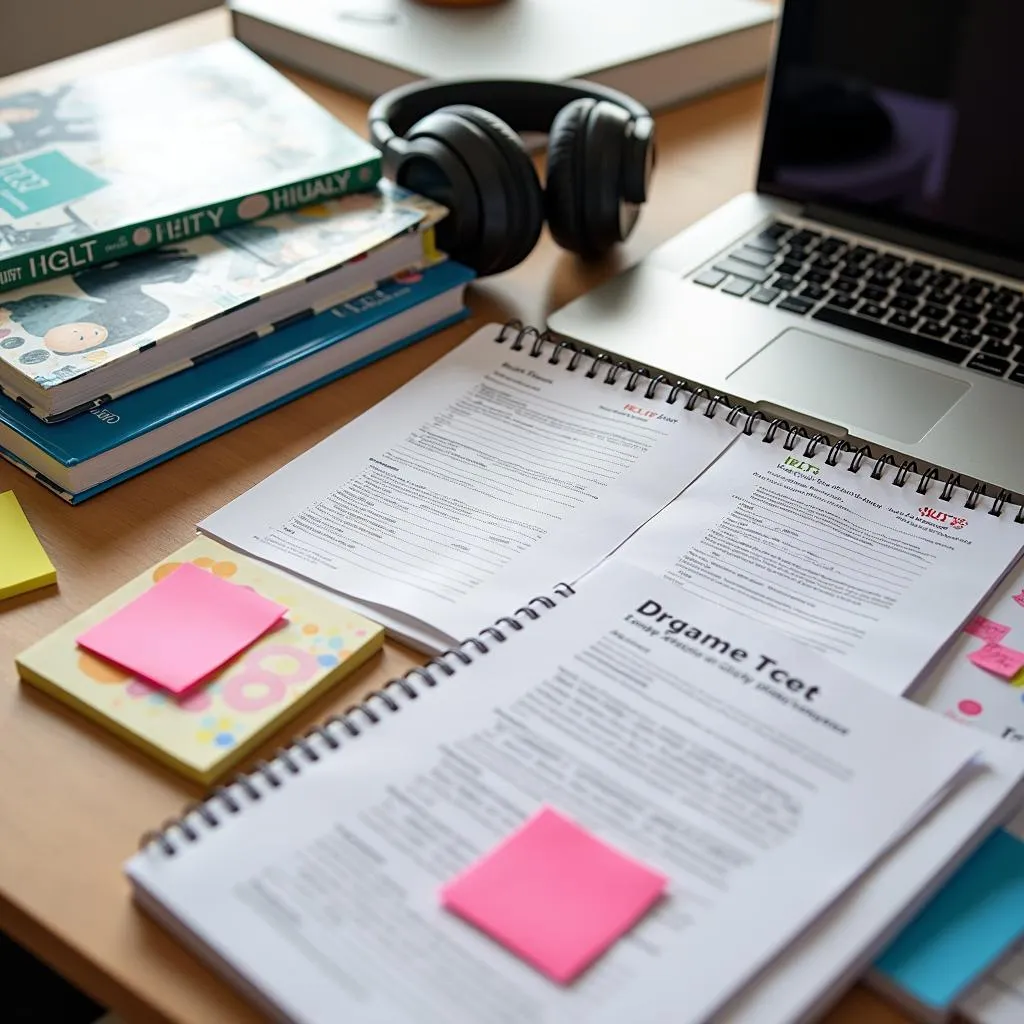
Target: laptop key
x=931, y=329
x=776, y=229
x=873, y=294
x=1000, y=314
x=886, y=332
x=966, y=338
x=910, y=289
x=830, y=245
x=904, y=302
x=934, y=312
x=817, y=276
x=988, y=364
x=736, y=286
x=710, y=278
x=805, y=237
x=965, y=321
x=739, y=269
x=784, y=283
x=992, y=330
x=764, y=295
x=973, y=289
x=999, y=346
x=1017, y=375
x=845, y=284
x=765, y=241
x=871, y=309
x=1004, y=297
x=812, y=291
x=904, y=320
x=863, y=253
x=841, y=301
x=755, y=256
x=795, y=304
x=789, y=268
x=968, y=305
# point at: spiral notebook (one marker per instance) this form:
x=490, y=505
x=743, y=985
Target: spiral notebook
x=313, y=883
x=517, y=460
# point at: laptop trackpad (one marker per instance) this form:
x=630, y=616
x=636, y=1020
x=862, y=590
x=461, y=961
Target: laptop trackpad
x=847, y=386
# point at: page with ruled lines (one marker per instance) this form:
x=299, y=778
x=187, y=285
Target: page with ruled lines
x=758, y=779
x=873, y=576
x=488, y=479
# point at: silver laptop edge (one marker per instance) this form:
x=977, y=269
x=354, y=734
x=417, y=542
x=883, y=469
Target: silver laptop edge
x=812, y=371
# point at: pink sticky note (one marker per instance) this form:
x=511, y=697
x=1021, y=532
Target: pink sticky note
x=1000, y=660
x=987, y=630
x=183, y=628
x=554, y=895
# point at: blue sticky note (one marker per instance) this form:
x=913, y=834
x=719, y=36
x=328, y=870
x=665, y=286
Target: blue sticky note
x=965, y=929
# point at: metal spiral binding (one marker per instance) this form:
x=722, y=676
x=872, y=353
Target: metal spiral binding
x=598, y=365
x=523, y=337
x=228, y=800
x=863, y=454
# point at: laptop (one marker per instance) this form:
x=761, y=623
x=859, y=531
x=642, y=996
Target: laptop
x=871, y=287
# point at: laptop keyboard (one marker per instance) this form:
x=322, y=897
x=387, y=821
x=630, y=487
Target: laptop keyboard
x=917, y=305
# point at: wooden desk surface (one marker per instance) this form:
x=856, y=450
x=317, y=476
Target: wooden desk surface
x=73, y=800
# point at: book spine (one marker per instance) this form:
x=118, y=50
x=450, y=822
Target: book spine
x=57, y=260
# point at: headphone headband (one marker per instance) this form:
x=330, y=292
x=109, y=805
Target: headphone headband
x=524, y=105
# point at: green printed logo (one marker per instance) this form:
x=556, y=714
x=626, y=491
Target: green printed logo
x=42, y=181
x=804, y=467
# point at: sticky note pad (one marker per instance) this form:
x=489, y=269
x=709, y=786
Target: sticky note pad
x=554, y=895
x=987, y=630
x=24, y=565
x=1004, y=662
x=183, y=628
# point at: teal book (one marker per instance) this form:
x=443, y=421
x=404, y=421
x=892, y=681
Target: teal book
x=961, y=934
x=128, y=160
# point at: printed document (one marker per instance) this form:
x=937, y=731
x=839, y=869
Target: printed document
x=959, y=689
x=485, y=481
x=758, y=778
x=873, y=576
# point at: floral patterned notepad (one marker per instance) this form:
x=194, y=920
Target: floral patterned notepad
x=213, y=726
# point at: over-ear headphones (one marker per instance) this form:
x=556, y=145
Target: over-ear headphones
x=457, y=142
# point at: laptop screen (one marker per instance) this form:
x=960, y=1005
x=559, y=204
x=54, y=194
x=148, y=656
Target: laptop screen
x=910, y=112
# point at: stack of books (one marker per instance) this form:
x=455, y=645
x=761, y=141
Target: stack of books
x=184, y=247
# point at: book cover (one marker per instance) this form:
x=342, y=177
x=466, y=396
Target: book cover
x=168, y=401
x=95, y=322
x=966, y=929
x=131, y=159
x=662, y=52
x=212, y=727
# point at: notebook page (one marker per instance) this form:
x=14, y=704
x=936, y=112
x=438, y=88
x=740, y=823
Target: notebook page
x=486, y=480
x=855, y=568
x=817, y=969
x=751, y=773
x=999, y=998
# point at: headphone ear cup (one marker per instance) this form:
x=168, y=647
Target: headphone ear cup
x=562, y=192
x=513, y=215
x=583, y=196
x=474, y=164
x=429, y=168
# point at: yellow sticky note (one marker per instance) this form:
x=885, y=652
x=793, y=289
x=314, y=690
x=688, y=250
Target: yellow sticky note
x=24, y=564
